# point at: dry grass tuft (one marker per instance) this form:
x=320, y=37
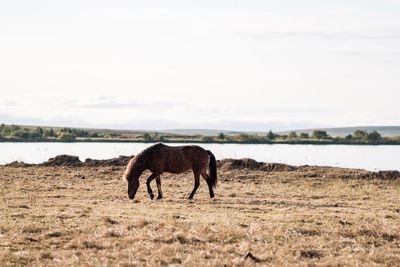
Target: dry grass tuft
x=142, y=222
x=32, y=229
x=47, y=256
x=113, y=233
x=92, y=245
x=110, y=221
x=55, y=234
x=311, y=254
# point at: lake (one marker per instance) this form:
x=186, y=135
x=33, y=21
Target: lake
x=351, y=156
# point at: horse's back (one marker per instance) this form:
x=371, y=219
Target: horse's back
x=178, y=159
x=197, y=156
x=194, y=151
x=187, y=150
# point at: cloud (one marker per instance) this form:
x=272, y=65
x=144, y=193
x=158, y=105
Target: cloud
x=366, y=53
x=154, y=114
x=100, y=102
x=192, y=117
x=8, y=103
x=106, y=102
x=339, y=35
x=21, y=119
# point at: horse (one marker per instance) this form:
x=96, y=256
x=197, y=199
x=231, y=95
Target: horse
x=160, y=158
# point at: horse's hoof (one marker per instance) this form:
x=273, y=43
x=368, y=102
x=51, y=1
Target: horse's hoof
x=151, y=196
x=159, y=197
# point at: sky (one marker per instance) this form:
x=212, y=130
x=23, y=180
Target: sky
x=221, y=64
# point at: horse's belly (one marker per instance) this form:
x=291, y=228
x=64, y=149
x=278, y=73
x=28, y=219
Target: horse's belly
x=177, y=167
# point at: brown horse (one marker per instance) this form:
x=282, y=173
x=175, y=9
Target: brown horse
x=161, y=158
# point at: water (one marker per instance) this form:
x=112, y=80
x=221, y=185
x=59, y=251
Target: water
x=365, y=157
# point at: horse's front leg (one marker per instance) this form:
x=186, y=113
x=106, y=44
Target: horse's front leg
x=158, y=181
x=149, y=191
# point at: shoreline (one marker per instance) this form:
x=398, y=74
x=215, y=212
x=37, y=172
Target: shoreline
x=244, y=164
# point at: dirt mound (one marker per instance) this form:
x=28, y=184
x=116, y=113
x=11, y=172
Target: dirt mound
x=63, y=160
x=233, y=164
x=120, y=161
x=277, y=167
x=73, y=161
x=383, y=175
x=246, y=163
x=18, y=164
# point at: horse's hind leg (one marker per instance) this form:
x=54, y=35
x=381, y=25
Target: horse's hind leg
x=205, y=176
x=158, y=180
x=196, y=184
x=149, y=191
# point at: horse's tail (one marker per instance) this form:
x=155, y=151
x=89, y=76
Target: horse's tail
x=213, y=169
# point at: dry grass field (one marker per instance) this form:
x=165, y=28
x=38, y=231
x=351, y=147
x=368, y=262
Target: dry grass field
x=73, y=216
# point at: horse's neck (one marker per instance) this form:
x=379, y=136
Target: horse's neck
x=141, y=165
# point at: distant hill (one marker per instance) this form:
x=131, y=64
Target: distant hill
x=388, y=131
x=208, y=132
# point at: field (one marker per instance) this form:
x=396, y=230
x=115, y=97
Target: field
x=70, y=216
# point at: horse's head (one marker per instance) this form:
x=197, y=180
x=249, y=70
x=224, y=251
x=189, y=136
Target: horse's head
x=131, y=175
x=133, y=186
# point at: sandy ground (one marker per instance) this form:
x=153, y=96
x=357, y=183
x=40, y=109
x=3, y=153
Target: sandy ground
x=70, y=216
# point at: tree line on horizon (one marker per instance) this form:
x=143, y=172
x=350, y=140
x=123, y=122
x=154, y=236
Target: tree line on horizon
x=42, y=133
x=19, y=133
x=358, y=136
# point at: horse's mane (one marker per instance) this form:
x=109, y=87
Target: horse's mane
x=150, y=149
x=142, y=156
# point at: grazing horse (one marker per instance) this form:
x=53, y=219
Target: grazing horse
x=161, y=158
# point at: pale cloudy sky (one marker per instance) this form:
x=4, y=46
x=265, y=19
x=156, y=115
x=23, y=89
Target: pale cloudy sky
x=240, y=65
